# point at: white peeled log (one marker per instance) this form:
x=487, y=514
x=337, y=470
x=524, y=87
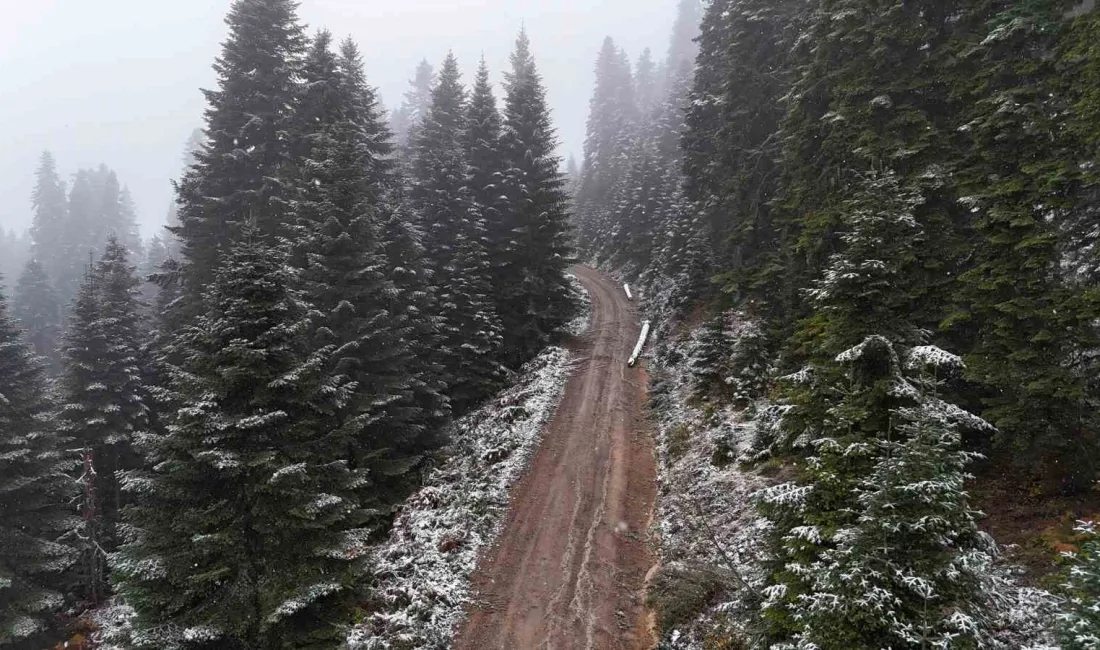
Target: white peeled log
x=629, y=296
x=641, y=343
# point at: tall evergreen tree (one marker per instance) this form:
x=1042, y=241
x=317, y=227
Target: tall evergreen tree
x=37, y=310
x=406, y=120
x=609, y=131
x=35, y=491
x=51, y=210
x=860, y=558
x=536, y=302
x=425, y=409
x=338, y=252
x=249, y=525
x=439, y=192
x=485, y=167
x=240, y=174
x=104, y=405
x=454, y=242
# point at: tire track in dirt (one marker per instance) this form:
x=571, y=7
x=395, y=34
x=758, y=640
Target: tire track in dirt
x=568, y=570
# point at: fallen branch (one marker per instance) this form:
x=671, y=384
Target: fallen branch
x=641, y=344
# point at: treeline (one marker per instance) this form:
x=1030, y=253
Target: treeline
x=221, y=450
x=861, y=187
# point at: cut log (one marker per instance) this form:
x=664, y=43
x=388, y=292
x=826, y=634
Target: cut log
x=641, y=344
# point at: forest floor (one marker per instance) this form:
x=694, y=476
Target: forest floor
x=569, y=568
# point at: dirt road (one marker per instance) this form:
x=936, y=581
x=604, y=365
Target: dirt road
x=568, y=570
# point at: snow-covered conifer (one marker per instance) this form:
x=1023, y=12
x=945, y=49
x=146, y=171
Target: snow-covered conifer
x=103, y=398
x=35, y=495
x=537, y=300
x=248, y=529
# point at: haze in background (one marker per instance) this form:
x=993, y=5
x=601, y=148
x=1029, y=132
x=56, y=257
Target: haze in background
x=117, y=81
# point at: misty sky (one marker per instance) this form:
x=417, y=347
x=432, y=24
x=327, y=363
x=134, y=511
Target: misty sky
x=117, y=81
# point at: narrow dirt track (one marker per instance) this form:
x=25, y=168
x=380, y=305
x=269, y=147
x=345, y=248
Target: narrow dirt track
x=569, y=568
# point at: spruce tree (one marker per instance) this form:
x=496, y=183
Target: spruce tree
x=240, y=173
x=37, y=310
x=103, y=398
x=51, y=209
x=454, y=245
x=35, y=496
x=485, y=169
x=608, y=135
x=439, y=192
x=422, y=415
x=406, y=120
x=877, y=431
x=339, y=256
x=250, y=523
x=536, y=302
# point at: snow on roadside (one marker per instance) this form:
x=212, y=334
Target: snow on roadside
x=421, y=574
x=707, y=523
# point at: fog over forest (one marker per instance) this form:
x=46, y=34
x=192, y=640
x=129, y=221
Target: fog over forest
x=550, y=324
x=117, y=81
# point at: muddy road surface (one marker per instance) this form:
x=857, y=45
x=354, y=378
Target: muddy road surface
x=569, y=568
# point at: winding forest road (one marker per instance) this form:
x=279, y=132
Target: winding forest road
x=569, y=569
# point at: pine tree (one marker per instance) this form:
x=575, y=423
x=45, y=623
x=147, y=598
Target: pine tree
x=454, y=244
x=406, y=120
x=103, y=400
x=485, y=168
x=250, y=524
x=608, y=136
x=536, y=302
x=339, y=256
x=876, y=545
x=191, y=151
x=35, y=492
x=422, y=415
x=439, y=193
x=51, y=210
x=710, y=358
x=239, y=175
x=37, y=310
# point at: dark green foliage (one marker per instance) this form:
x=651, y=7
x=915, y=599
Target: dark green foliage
x=35, y=491
x=455, y=237
x=38, y=311
x=424, y=409
x=248, y=528
x=875, y=545
x=537, y=300
x=338, y=251
x=103, y=400
x=1027, y=323
x=240, y=173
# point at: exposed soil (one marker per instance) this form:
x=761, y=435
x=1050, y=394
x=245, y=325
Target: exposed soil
x=569, y=568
